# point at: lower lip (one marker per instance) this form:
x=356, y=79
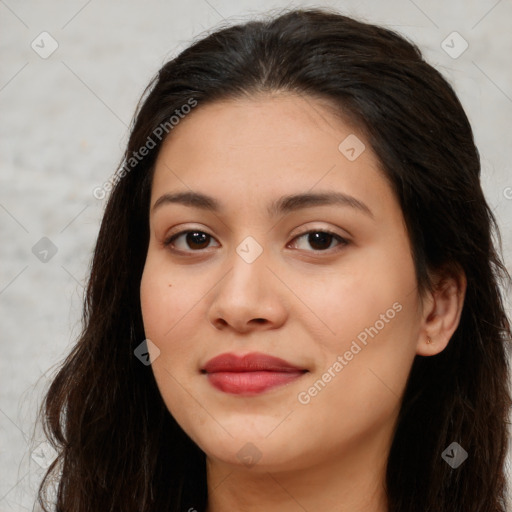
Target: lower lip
x=251, y=383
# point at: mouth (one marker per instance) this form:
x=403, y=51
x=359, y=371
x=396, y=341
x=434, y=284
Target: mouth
x=251, y=374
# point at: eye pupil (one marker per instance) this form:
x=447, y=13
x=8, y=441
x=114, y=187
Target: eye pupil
x=319, y=237
x=198, y=238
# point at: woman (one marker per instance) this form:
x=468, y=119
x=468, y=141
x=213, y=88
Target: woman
x=294, y=301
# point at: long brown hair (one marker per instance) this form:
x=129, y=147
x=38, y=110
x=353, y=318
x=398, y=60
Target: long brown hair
x=119, y=447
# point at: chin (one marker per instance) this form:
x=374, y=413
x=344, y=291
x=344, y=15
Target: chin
x=252, y=448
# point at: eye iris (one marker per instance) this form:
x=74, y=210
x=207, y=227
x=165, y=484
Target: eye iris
x=319, y=238
x=198, y=238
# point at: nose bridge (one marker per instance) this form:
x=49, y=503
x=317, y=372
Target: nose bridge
x=248, y=291
x=248, y=269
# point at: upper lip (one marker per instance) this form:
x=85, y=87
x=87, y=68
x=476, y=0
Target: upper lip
x=252, y=362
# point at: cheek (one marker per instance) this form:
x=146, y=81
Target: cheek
x=153, y=303
x=163, y=299
x=164, y=316
x=358, y=387
x=172, y=307
x=373, y=319
x=373, y=294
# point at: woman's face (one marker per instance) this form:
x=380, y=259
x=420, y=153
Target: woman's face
x=299, y=253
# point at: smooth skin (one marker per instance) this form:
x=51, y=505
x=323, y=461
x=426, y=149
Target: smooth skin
x=302, y=299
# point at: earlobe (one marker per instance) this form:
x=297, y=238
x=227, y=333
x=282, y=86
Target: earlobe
x=442, y=312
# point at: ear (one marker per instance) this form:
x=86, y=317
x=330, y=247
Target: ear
x=442, y=309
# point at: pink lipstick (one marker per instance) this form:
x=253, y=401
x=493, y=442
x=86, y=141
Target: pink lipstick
x=250, y=374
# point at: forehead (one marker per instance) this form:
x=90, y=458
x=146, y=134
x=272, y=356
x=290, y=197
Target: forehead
x=283, y=120
x=268, y=145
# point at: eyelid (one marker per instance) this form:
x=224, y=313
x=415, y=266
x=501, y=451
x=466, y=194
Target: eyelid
x=303, y=230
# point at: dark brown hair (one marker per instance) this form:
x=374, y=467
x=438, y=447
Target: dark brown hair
x=119, y=447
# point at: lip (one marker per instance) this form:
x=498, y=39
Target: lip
x=250, y=374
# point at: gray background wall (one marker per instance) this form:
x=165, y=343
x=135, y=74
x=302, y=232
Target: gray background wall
x=63, y=125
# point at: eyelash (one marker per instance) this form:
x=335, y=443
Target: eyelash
x=343, y=242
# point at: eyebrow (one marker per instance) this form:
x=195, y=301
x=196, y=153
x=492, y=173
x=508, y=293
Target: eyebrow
x=281, y=206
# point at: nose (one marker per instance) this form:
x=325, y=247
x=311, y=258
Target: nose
x=249, y=297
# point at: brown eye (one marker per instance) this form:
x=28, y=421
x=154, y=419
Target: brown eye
x=194, y=239
x=321, y=240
